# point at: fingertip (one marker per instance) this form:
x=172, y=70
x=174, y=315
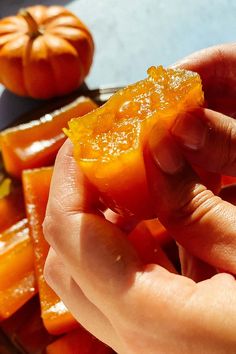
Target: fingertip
x=70, y=190
x=207, y=139
x=165, y=153
x=171, y=180
x=66, y=148
x=65, y=152
x=190, y=130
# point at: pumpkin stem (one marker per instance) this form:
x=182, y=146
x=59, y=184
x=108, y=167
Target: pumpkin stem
x=34, y=30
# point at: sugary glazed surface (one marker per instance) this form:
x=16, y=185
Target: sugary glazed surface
x=123, y=123
x=109, y=142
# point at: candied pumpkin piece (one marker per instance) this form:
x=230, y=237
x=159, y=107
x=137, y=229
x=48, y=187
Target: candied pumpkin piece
x=109, y=142
x=78, y=342
x=35, y=144
x=55, y=315
x=17, y=278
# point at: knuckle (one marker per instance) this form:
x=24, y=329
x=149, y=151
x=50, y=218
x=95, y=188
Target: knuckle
x=58, y=203
x=225, y=280
x=193, y=206
x=49, y=271
x=50, y=228
x=56, y=218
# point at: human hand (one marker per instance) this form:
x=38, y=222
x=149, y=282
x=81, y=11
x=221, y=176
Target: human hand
x=138, y=308
x=206, y=139
x=134, y=308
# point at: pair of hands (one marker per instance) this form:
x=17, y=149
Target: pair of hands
x=143, y=308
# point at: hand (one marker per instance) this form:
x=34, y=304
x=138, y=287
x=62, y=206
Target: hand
x=133, y=307
x=201, y=222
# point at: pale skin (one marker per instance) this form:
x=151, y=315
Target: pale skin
x=144, y=308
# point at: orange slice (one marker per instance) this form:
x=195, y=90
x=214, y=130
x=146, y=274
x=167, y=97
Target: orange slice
x=109, y=142
x=17, y=278
x=56, y=317
x=35, y=144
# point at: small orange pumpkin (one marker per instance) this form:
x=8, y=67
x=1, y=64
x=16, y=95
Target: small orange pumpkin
x=44, y=52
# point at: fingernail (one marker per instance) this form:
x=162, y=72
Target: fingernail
x=190, y=131
x=166, y=155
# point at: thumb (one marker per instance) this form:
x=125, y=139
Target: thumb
x=201, y=222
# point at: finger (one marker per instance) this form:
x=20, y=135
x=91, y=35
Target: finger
x=94, y=244
x=157, y=298
x=70, y=192
x=96, y=252
x=201, y=222
x=83, y=310
x=215, y=301
x=221, y=103
x=64, y=194
x=208, y=139
x=216, y=66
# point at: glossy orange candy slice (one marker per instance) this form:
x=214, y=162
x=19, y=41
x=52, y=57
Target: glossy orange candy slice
x=35, y=144
x=17, y=278
x=109, y=142
x=55, y=315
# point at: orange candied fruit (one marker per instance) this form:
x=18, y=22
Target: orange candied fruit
x=35, y=144
x=17, y=278
x=109, y=142
x=55, y=315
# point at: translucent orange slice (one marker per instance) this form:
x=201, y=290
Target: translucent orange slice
x=109, y=141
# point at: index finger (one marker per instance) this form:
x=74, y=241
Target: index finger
x=217, y=67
